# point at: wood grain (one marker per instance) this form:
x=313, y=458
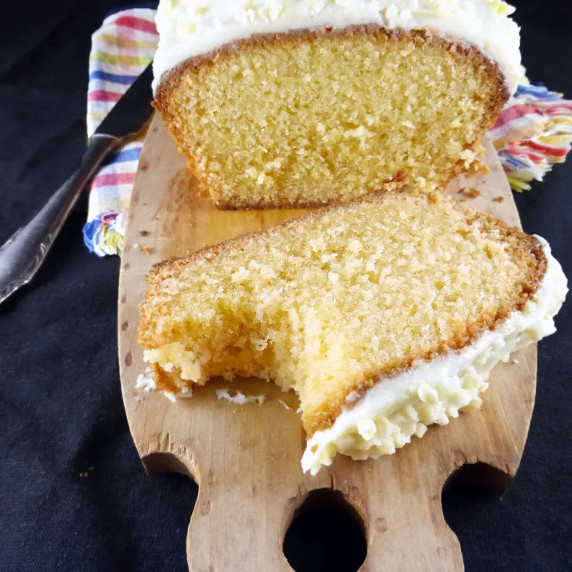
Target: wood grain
x=246, y=459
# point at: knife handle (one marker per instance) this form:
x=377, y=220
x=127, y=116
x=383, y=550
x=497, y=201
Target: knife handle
x=24, y=252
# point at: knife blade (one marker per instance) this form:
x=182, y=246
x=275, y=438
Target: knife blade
x=131, y=111
x=24, y=252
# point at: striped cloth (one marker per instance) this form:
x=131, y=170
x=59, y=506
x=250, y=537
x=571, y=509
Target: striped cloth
x=533, y=132
x=121, y=49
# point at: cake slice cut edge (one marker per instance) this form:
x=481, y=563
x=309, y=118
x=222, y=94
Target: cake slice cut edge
x=303, y=316
x=256, y=134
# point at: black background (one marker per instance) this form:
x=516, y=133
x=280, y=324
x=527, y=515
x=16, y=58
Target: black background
x=60, y=404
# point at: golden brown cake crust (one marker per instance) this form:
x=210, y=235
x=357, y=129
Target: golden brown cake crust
x=524, y=248
x=170, y=81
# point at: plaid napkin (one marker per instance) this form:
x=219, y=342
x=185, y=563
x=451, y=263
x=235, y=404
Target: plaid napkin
x=533, y=132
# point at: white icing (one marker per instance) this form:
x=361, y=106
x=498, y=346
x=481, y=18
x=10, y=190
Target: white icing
x=170, y=396
x=239, y=398
x=391, y=412
x=285, y=405
x=145, y=381
x=192, y=28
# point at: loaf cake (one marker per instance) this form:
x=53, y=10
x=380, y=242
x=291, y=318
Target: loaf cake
x=297, y=103
x=385, y=315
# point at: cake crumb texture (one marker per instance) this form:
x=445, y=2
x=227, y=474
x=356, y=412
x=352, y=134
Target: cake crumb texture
x=316, y=117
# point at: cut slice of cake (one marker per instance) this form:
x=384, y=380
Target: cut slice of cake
x=300, y=103
x=385, y=315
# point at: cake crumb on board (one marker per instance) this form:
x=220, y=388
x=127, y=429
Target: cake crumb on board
x=469, y=193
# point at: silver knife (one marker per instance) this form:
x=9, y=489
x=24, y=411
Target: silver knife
x=23, y=253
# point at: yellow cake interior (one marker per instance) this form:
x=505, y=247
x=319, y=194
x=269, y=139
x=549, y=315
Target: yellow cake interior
x=313, y=118
x=332, y=302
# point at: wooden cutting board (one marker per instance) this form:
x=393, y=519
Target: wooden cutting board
x=246, y=458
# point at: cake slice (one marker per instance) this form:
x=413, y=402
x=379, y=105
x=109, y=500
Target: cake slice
x=300, y=103
x=385, y=315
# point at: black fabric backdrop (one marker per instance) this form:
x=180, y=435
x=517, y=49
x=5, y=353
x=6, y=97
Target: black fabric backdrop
x=60, y=404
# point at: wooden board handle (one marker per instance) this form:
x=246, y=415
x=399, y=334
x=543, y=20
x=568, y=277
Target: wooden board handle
x=230, y=527
x=230, y=531
x=406, y=534
x=235, y=523
x=402, y=514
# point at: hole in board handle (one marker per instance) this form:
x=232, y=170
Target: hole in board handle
x=326, y=533
x=468, y=497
